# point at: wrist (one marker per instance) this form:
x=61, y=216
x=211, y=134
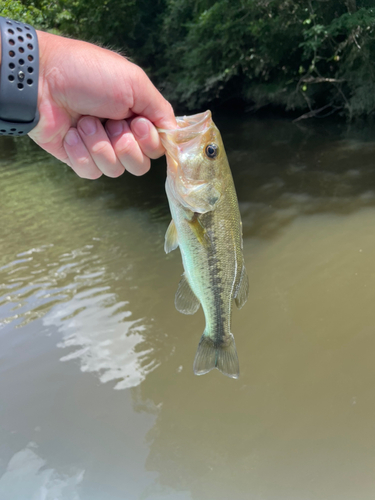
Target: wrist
x=48, y=49
x=19, y=76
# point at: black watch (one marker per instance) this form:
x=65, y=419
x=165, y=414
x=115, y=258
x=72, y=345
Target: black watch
x=19, y=75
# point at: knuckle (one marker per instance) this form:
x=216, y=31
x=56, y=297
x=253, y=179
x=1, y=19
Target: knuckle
x=88, y=119
x=126, y=147
x=138, y=73
x=166, y=110
x=83, y=161
x=100, y=148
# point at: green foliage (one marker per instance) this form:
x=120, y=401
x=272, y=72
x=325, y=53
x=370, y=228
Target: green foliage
x=298, y=55
x=18, y=11
x=236, y=46
x=341, y=57
x=128, y=25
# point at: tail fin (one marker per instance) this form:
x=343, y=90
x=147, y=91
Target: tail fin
x=222, y=356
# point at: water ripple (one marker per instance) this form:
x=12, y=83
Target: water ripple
x=72, y=291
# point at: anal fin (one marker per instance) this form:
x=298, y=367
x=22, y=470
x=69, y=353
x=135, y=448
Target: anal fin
x=242, y=291
x=171, y=238
x=185, y=300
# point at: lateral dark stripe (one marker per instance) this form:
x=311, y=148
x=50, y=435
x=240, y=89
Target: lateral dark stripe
x=216, y=284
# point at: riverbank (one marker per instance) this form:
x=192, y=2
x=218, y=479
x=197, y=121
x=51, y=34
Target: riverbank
x=315, y=58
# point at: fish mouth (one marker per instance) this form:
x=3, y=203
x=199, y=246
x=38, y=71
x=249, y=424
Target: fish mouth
x=189, y=128
x=194, y=124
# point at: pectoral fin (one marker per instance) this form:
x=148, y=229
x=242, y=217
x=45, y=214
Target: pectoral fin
x=171, y=239
x=199, y=231
x=242, y=291
x=185, y=300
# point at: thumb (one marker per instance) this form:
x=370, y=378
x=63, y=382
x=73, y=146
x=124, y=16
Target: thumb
x=149, y=102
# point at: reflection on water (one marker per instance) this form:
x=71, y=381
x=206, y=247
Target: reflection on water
x=27, y=477
x=86, y=306
x=106, y=343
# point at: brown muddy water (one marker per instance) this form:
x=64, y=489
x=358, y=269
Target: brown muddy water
x=97, y=395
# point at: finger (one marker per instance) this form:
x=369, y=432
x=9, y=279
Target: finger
x=149, y=102
x=79, y=158
x=147, y=137
x=127, y=148
x=99, y=146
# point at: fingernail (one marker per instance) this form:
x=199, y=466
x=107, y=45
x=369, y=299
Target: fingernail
x=114, y=128
x=71, y=138
x=141, y=128
x=88, y=125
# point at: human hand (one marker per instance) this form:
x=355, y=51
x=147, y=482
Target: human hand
x=80, y=87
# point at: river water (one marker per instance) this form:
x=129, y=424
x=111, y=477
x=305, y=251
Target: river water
x=97, y=394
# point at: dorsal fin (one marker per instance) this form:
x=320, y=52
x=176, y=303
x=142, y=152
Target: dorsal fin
x=242, y=291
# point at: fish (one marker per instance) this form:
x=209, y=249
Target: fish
x=206, y=226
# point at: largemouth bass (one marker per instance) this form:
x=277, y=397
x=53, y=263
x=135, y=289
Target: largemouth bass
x=206, y=225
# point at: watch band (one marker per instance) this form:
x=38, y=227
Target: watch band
x=19, y=75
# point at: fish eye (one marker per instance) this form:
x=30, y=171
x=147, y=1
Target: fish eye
x=212, y=150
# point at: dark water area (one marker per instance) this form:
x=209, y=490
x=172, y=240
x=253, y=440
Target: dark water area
x=97, y=393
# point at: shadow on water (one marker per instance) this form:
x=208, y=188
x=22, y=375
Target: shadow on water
x=82, y=268
x=283, y=170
